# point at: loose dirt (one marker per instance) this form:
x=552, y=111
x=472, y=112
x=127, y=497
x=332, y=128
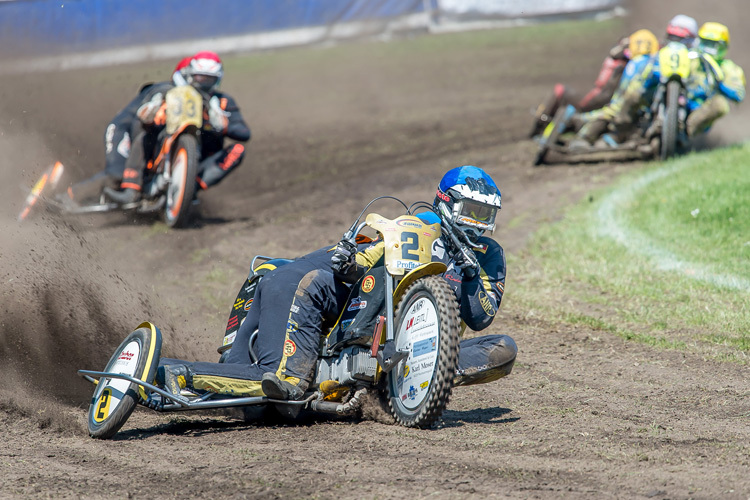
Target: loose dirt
x=584, y=414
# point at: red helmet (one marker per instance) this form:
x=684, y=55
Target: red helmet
x=179, y=76
x=205, y=70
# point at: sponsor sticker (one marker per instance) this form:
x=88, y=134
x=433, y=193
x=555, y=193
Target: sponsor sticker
x=407, y=264
x=126, y=355
x=345, y=324
x=248, y=304
x=484, y=300
x=424, y=385
x=229, y=339
x=356, y=304
x=416, y=320
x=291, y=326
x=233, y=321
x=289, y=348
x=239, y=303
x=425, y=346
x=368, y=284
x=409, y=223
x=412, y=392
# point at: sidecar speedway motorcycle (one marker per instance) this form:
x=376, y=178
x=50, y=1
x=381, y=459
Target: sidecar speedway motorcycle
x=169, y=183
x=398, y=339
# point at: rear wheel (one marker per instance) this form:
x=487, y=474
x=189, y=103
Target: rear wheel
x=551, y=134
x=427, y=325
x=669, y=127
x=44, y=187
x=181, y=189
x=114, y=399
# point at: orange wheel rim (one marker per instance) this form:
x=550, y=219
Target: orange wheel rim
x=182, y=161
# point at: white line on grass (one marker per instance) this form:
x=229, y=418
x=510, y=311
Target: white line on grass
x=613, y=226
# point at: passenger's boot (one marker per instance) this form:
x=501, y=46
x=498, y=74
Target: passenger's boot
x=174, y=378
x=124, y=197
x=291, y=388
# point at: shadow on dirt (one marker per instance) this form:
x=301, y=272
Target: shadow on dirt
x=457, y=418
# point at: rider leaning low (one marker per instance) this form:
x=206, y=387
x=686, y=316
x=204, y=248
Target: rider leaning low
x=295, y=304
x=119, y=133
x=222, y=119
x=714, y=79
x=604, y=86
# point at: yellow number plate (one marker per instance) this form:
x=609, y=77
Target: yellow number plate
x=408, y=241
x=184, y=107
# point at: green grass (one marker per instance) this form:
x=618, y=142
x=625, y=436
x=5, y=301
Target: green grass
x=637, y=263
x=708, y=205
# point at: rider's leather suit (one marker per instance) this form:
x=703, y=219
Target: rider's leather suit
x=120, y=132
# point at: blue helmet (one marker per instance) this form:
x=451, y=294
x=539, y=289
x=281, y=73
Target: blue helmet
x=472, y=198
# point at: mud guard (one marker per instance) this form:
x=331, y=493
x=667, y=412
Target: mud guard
x=432, y=268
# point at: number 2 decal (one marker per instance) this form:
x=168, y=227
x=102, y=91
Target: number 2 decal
x=101, y=411
x=409, y=243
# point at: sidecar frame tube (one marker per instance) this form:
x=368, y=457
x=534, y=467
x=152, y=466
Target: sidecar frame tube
x=183, y=403
x=389, y=333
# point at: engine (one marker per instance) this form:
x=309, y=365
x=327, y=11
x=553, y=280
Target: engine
x=353, y=364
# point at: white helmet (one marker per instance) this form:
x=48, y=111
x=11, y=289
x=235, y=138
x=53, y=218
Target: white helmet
x=205, y=71
x=682, y=29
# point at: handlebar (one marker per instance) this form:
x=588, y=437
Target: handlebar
x=458, y=241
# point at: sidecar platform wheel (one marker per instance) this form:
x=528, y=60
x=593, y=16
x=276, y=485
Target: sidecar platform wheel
x=114, y=399
x=181, y=189
x=427, y=324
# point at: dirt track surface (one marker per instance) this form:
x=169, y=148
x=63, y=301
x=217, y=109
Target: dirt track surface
x=583, y=415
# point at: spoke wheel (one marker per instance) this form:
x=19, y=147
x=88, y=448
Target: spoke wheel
x=427, y=325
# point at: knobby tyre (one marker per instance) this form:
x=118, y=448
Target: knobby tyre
x=181, y=189
x=115, y=399
x=669, y=127
x=427, y=321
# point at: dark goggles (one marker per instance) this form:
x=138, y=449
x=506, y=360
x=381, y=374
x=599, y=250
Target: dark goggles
x=205, y=82
x=475, y=214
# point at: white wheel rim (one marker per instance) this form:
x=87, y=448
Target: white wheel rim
x=110, y=392
x=419, y=333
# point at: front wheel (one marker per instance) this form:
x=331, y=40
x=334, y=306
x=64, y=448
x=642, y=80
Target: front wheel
x=181, y=189
x=427, y=325
x=114, y=399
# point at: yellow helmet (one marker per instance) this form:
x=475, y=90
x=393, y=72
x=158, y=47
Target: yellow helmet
x=642, y=42
x=714, y=40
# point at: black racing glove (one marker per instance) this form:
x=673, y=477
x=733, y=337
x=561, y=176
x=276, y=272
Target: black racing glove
x=469, y=267
x=343, y=258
